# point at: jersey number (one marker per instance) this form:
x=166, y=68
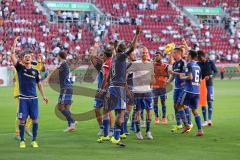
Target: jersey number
x=196, y=76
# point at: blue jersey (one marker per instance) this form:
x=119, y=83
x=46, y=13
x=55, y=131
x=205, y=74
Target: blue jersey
x=179, y=67
x=118, y=69
x=192, y=86
x=28, y=78
x=64, y=76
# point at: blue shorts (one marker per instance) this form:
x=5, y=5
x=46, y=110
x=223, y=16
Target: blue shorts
x=99, y=101
x=28, y=107
x=143, y=101
x=65, y=96
x=210, y=93
x=160, y=92
x=189, y=99
x=176, y=94
x=117, y=98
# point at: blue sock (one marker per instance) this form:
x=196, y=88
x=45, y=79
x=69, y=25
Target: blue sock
x=198, y=121
x=117, y=131
x=210, y=110
x=188, y=115
x=178, y=118
x=155, y=108
x=137, y=126
x=34, y=131
x=148, y=123
x=126, y=117
x=183, y=116
x=106, y=123
x=204, y=112
x=68, y=116
x=21, y=130
x=164, y=111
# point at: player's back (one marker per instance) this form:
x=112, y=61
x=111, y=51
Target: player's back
x=118, y=70
x=192, y=86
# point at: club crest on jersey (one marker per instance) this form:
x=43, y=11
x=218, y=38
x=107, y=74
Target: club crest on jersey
x=179, y=64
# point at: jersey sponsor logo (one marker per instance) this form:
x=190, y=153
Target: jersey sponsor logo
x=28, y=75
x=33, y=72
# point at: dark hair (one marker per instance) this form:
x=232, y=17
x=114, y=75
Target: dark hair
x=108, y=52
x=193, y=54
x=201, y=54
x=159, y=53
x=62, y=54
x=178, y=49
x=121, y=47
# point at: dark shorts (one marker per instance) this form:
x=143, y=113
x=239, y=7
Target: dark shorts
x=65, y=96
x=176, y=95
x=143, y=101
x=189, y=99
x=160, y=92
x=117, y=98
x=99, y=101
x=28, y=107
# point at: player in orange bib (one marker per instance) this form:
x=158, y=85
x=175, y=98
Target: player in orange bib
x=159, y=86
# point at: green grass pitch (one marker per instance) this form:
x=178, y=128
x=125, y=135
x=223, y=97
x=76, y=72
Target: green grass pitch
x=222, y=141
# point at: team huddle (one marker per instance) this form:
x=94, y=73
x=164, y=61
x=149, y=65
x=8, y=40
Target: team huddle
x=127, y=84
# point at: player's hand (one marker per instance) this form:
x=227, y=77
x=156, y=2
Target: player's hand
x=45, y=99
x=100, y=93
x=181, y=75
x=171, y=72
x=108, y=95
x=138, y=30
x=16, y=41
x=207, y=78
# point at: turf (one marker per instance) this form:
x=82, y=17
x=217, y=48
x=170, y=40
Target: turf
x=222, y=141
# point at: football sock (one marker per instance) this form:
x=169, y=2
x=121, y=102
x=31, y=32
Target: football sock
x=34, y=130
x=106, y=123
x=21, y=129
x=210, y=110
x=188, y=115
x=178, y=118
x=155, y=108
x=117, y=131
x=198, y=121
x=126, y=117
x=68, y=116
x=164, y=111
x=137, y=126
x=183, y=116
x=148, y=123
x=204, y=112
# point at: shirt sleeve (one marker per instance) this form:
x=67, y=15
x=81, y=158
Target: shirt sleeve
x=188, y=69
x=38, y=77
x=18, y=66
x=214, y=68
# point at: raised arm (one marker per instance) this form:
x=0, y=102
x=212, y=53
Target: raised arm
x=13, y=54
x=133, y=44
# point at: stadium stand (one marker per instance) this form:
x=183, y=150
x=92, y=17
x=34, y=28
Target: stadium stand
x=161, y=22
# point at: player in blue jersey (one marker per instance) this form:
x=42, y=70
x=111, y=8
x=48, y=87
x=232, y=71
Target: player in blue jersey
x=190, y=95
x=177, y=69
x=66, y=91
x=29, y=78
x=209, y=71
x=117, y=91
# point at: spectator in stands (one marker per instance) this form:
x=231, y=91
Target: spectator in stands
x=229, y=57
x=235, y=57
x=116, y=6
x=75, y=16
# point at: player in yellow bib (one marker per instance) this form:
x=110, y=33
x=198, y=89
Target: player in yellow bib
x=39, y=65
